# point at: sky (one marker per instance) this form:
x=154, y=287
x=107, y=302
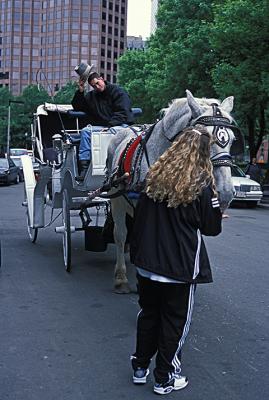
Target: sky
x=138, y=18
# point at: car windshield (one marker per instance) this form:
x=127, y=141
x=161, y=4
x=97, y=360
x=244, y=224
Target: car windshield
x=236, y=171
x=3, y=163
x=18, y=152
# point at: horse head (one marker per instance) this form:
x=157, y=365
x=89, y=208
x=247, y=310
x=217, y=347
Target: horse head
x=216, y=118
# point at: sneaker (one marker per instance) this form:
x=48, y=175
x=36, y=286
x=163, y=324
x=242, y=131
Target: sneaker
x=177, y=383
x=140, y=376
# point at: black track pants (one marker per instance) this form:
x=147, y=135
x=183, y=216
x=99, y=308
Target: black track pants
x=162, y=325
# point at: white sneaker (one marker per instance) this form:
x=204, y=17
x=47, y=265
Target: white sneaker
x=177, y=383
x=140, y=376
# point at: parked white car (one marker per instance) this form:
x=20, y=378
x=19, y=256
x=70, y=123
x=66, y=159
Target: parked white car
x=246, y=190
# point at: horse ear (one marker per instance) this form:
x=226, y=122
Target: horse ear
x=196, y=110
x=228, y=104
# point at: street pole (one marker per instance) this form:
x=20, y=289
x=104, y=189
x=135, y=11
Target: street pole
x=8, y=122
x=8, y=129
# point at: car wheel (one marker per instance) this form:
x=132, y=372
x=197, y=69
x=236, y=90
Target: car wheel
x=17, y=179
x=21, y=177
x=251, y=204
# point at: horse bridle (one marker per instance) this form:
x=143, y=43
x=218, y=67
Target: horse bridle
x=220, y=132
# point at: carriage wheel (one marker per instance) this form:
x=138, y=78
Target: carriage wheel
x=67, y=232
x=32, y=232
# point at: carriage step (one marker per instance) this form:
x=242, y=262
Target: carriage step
x=62, y=229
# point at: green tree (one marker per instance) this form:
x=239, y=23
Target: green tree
x=21, y=115
x=5, y=96
x=66, y=93
x=179, y=56
x=180, y=50
x=133, y=66
x=240, y=39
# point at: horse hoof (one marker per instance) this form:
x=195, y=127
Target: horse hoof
x=122, y=288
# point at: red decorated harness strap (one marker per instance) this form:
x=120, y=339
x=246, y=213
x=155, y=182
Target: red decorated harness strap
x=127, y=156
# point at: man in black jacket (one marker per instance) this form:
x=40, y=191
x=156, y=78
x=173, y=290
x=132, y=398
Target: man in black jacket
x=107, y=105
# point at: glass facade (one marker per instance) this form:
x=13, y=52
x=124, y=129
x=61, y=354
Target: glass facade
x=56, y=35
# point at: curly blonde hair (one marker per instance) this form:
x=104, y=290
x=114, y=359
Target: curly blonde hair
x=181, y=173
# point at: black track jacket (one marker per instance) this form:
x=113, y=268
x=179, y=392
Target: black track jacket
x=111, y=107
x=167, y=241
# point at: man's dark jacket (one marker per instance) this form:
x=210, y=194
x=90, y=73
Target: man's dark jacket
x=111, y=107
x=168, y=241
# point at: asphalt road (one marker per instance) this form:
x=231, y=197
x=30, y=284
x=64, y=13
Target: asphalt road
x=68, y=336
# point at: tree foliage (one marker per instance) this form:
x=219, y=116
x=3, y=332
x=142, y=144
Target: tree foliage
x=240, y=38
x=5, y=96
x=20, y=114
x=66, y=93
x=214, y=49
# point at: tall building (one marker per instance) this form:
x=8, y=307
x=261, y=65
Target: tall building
x=43, y=40
x=154, y=9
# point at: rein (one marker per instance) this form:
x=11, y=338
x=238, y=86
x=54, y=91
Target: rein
x=120, y=176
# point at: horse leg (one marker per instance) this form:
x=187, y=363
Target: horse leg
x=119, y=208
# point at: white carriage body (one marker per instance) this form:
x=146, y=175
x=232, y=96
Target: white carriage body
x=61, y=175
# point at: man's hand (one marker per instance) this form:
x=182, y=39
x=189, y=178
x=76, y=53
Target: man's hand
x=81, y=84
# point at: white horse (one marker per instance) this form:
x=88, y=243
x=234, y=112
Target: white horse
x=184, y=112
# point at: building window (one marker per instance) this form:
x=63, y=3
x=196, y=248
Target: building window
x=84, y=50
x=84, y=38
x=74, y=37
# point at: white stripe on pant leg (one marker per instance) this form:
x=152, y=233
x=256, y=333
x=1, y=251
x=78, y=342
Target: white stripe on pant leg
x=176, y=362
x=197, y=256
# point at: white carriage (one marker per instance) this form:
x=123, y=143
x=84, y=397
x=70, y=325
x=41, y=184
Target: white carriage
x=55, y=140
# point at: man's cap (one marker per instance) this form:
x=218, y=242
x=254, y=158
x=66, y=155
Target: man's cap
x=84, y=70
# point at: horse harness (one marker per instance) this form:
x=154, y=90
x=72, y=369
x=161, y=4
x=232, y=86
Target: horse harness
x=220, y=132
x=128, y=168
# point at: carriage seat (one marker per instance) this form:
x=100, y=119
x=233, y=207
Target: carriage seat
x=75, y=137
x=137, y=112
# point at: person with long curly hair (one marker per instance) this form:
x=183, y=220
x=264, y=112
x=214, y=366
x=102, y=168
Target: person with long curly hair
x=178, y=206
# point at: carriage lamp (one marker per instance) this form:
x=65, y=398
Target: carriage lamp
x=58, y=147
